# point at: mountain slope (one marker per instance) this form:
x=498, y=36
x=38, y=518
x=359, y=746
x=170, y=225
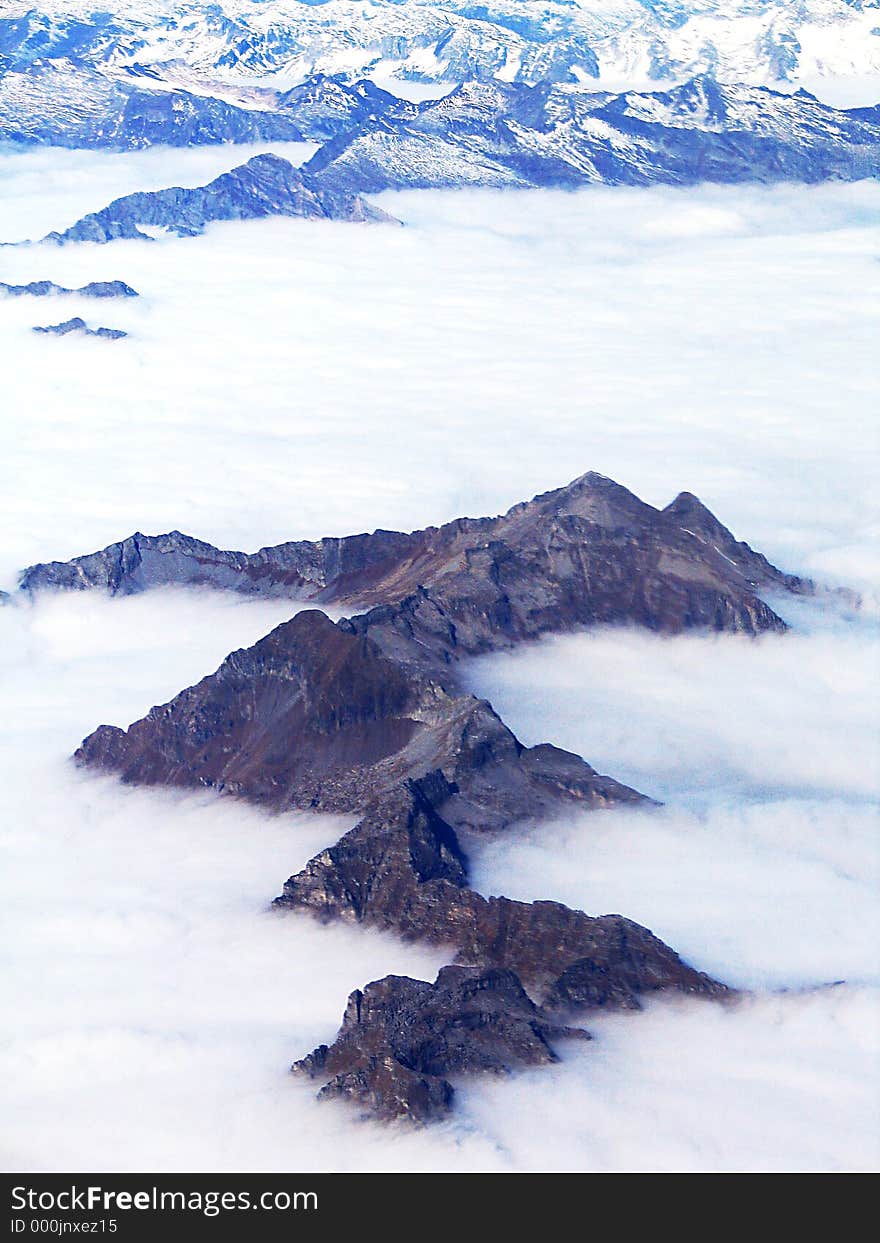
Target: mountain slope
x=251, y=70
x=62, y=104
x=509, y=135
x=588, y=553
x=316, y=716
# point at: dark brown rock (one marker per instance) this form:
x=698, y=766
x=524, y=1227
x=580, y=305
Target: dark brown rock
x=315, y=716
x=402, y=868
x=334, y=716
x=367, y=715
x=400, y=1039
x=585, y=554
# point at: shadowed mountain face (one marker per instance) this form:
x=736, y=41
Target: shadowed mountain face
x=487, y=131
x=402, y=868
x=325, y=106
x=369, y=715
x=333, y=716
x=314, y=716
x=495, y=134
x=266, y=185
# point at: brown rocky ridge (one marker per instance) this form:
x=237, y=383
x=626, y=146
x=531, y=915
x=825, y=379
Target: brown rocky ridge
x=371, y=714
x=587, y=554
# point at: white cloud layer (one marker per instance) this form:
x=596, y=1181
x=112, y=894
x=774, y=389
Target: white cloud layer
x=289, y=379
x=721, y=340
x=762, y=866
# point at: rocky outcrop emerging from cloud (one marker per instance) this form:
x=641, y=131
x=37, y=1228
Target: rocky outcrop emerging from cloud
x=266, y=185
x=500, y=134
x=402, y=869
x=80, y=328
x=48, y=289
x=589, y=553
x=400, y=1038
x=369, y=715
x=315, y=716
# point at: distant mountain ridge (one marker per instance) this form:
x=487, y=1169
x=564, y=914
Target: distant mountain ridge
x=67, y=105
x=412, y=93
x=501, y=135
x=266, y=185
x=78, y=327
x=48, y=289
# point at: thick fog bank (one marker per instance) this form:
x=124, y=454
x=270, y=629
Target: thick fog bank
x=293, y=378
x=288, y=378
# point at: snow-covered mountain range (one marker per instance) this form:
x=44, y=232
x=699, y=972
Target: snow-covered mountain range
x=252, y=43
x=529, y=91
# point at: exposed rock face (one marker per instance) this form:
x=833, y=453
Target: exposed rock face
x=526, y=123
x=94, y=289
x=333, y=716
x=400, y=1038
x=402, y=868
x=315, y=716
x=588, y=553
x=266, y=185
x=367, y=714
x=81, y=328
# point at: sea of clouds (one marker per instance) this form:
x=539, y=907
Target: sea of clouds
x=288, y=379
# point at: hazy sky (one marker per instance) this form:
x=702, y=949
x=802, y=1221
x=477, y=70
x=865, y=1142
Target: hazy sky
x=287, y=378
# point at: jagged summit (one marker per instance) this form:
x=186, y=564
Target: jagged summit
x=588, y=553
x=325, y=105
x=694, y=88
x=400, y=1038
x=235, y=46
x=523, y=970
